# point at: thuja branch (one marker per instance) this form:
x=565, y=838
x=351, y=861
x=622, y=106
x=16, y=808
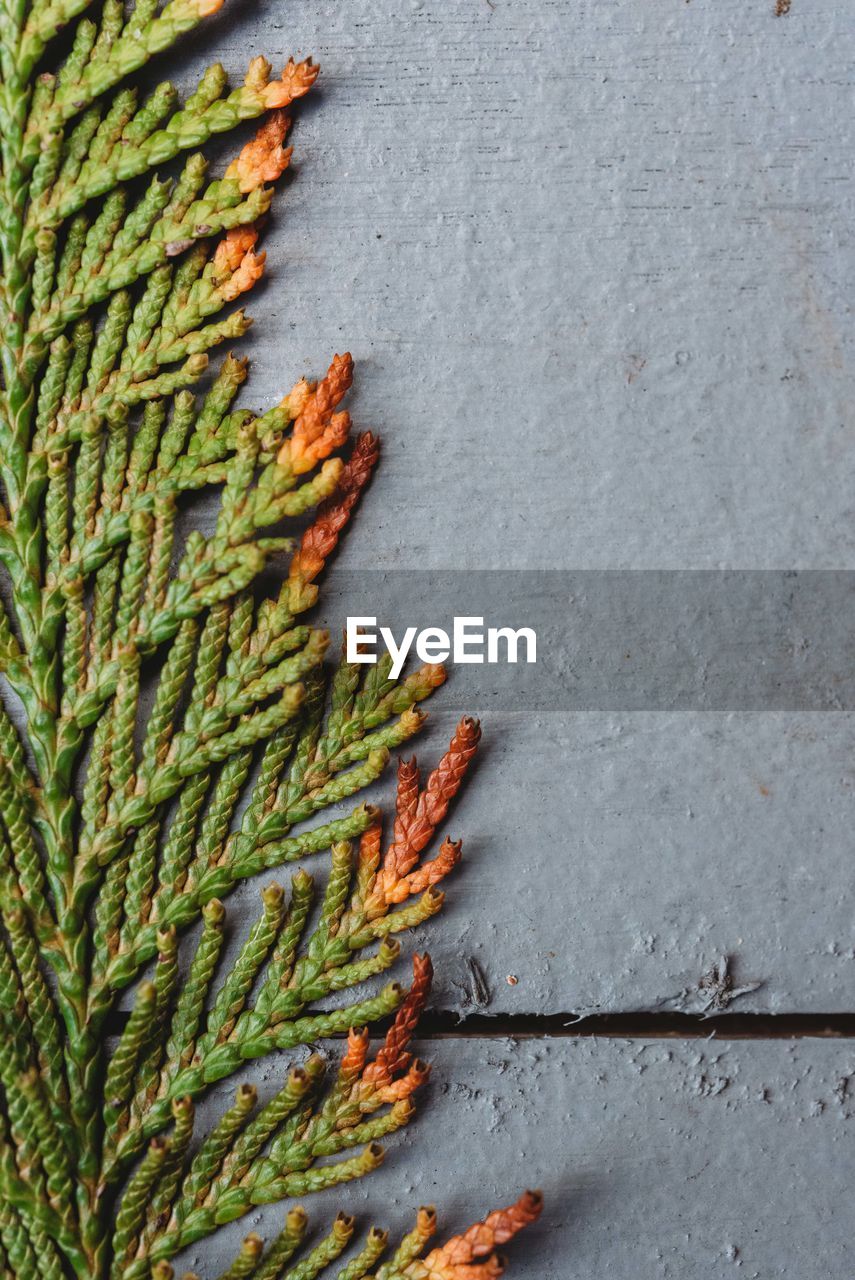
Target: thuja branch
x=181, y=729
x=469, y=1256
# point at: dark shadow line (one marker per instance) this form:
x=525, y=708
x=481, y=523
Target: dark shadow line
x=439, y=1024
x=445, y=1024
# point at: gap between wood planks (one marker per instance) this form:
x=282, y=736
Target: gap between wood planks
x=444, y=1024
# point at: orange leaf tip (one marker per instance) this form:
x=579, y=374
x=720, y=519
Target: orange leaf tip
x=263, y=159
x=297, y=80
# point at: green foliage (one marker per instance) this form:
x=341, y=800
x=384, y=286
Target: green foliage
x=166, y=730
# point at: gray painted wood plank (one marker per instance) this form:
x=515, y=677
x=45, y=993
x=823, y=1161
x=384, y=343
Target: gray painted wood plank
x=690, y=1159
x=594, y=259
x=593, y=262
x=611, y=861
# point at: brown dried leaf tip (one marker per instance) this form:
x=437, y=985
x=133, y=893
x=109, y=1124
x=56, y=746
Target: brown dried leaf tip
x=317, y=430
x=296, y=81
x=264, y=159
x=471, y=1256
x=394, y=1074
x=321, y=538
x=418, y=814
x=236, y=266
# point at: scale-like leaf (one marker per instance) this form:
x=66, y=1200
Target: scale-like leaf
x=177, y=731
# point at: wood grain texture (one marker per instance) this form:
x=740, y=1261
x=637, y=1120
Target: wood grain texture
x=594, y=261
x=690, y=1160
x=611, y=861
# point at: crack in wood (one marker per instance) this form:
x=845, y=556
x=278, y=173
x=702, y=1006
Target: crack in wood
x=446, y=1024
x=439, y=1023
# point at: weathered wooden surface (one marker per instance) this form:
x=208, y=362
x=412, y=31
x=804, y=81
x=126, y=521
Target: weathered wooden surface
x=694, y=1160
x=592, y=260
x=736, y=842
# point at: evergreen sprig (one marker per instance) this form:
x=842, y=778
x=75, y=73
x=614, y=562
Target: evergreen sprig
x=177, y=730
x=469, y=1256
